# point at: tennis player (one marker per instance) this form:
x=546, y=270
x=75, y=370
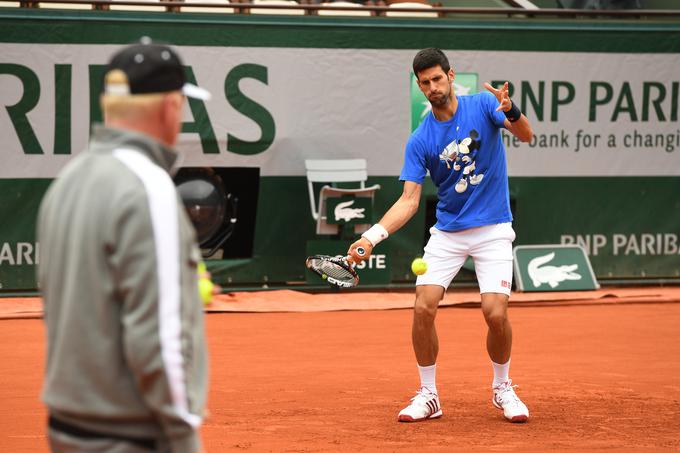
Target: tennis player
x=459, y=143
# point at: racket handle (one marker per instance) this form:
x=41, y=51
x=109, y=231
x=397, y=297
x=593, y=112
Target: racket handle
x=361, y=251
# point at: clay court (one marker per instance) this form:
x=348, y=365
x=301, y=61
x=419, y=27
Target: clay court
x=598, y=370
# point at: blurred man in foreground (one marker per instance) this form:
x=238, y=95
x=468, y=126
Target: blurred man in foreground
x=127, y=361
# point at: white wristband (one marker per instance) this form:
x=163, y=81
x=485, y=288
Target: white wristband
x=375, y=234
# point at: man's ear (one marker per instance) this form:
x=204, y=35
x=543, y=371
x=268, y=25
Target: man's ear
x=174, y=100
x=452, y=74
x=171, y=103
x=101, y=107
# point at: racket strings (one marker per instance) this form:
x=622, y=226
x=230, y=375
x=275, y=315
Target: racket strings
x=334, y=270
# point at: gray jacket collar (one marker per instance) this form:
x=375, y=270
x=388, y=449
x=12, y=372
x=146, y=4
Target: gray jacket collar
x=108, y=138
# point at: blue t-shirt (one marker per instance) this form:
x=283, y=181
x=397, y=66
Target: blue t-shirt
x=466, y=160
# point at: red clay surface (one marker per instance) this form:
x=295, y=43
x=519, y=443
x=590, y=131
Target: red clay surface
x=595, y=377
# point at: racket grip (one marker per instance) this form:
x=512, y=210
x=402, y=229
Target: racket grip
x=361, y=251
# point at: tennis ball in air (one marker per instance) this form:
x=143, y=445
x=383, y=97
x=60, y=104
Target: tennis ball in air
x=419, y=266
x=205, y=285
x=205, y=289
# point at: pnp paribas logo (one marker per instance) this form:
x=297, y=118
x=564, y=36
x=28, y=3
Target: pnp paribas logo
x=464, y=83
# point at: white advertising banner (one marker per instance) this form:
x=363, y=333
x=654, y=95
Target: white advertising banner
x=594, y=114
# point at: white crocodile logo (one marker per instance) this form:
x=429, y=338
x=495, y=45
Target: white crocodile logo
x=552, y=275
x=344, y=212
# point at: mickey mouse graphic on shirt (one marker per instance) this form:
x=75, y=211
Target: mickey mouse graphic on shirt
x=462, y=154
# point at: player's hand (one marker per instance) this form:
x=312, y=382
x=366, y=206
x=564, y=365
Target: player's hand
x=353, y=257
x=502, y=95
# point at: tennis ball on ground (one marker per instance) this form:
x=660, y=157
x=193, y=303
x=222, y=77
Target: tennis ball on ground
x=419, y=266
x=205, y=289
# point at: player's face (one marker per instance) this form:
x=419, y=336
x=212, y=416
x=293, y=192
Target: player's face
x=436, y=85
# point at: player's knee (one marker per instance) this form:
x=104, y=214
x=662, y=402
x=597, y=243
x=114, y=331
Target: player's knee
x=424, y=313
x=496, y=320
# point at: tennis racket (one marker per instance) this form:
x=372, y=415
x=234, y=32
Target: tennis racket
x=336, y=270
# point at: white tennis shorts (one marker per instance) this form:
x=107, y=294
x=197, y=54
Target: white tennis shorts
x=490, y=248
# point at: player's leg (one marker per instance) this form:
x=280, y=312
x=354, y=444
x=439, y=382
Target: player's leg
x=493, y=265
x=425, y=404
x=492, y=255
x=430, y=287
x=499, y=333
x=424, y=332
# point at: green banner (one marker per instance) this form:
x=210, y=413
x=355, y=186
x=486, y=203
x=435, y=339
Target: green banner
x=553, y=268
x=602, y=171
x=19, y=251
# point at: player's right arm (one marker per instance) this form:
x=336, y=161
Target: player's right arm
x=395, y=218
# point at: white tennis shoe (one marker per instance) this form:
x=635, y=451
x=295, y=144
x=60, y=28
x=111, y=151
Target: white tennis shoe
x=505, y=398
x=423, y=406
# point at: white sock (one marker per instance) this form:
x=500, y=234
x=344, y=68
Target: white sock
x=500, y=372
x=427, y=377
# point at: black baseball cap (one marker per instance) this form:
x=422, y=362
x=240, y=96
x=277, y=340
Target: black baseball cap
x=150, y=68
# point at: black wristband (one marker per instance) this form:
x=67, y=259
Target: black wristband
x=514, y=113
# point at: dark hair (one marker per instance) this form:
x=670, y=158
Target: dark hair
x=429, y=58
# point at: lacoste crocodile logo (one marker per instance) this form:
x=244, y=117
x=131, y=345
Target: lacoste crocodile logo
x=552, y=275
x=344, y=212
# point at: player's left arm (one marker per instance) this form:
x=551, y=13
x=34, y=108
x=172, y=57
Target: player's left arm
x=520, y=127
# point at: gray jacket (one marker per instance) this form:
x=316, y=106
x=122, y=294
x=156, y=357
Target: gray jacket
x=126, y=346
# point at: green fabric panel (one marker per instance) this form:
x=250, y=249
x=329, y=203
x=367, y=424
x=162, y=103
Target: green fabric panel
x=544, y=209
x=640, y=213
x=118, y=27
x=19, y=203
x=597, y=209
x=662, y=4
